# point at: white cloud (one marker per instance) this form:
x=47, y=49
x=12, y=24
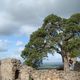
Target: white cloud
x=27, y=29
x=19, y=43
x=53, y=58
x=20, y=49
x=26, y=16
x=20, y=46
x=5, y=55
x=7, y=25
x=3, y=45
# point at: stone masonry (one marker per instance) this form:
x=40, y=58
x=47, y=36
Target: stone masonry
x=12, y=69
x=9, y=68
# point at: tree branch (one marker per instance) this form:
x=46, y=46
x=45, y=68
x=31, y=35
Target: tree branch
x=69, y=37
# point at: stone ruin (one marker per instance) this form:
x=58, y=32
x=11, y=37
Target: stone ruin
x=12, y=69
x=9, y=69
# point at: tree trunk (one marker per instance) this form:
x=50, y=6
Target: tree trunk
x=66, y=64
x=65, y=61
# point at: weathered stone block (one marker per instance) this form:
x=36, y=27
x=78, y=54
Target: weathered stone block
x=25, y=72
x=9, y=69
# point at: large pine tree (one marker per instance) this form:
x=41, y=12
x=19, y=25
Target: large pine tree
x=56, y=34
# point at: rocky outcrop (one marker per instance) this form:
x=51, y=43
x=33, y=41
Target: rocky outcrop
x=12, y=69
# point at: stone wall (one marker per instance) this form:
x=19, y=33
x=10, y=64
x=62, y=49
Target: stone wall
x=12, y=69
x=51, y=75
x=9, y=68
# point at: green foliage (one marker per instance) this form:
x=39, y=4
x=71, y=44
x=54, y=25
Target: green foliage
x=40, y=33
x=52, y=19
x=75, y=18
x=33, y=52
x=33, y=57
x=73, y=23
x=56, y=34
x=72, y=44
x=75, y=53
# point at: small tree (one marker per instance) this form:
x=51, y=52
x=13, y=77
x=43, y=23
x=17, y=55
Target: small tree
x=56, y=34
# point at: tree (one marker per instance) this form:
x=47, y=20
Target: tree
x=56, y=34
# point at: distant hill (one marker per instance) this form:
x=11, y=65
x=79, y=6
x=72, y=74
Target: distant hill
x=50, y=65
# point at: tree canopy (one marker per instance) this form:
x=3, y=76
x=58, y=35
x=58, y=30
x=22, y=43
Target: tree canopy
x=56, y=34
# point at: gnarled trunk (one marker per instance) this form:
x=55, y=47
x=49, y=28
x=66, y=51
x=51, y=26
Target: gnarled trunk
x=66, y=64
x=65, y=59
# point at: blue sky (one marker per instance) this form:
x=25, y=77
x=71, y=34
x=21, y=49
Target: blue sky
x=19, y=18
